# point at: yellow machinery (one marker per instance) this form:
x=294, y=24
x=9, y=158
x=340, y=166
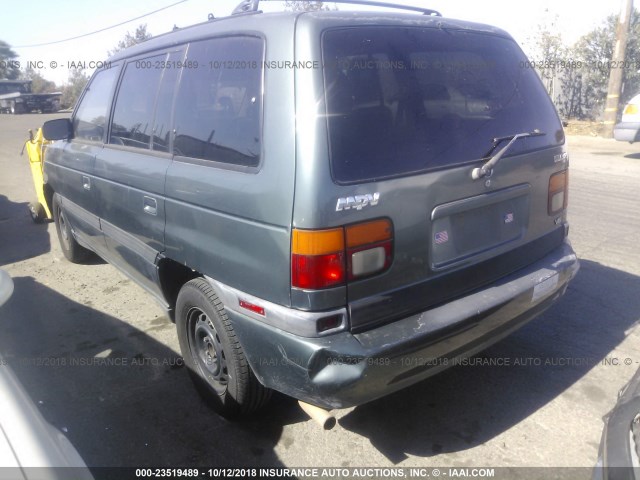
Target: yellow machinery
x=39, y=210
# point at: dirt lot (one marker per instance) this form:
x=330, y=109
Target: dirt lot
x=584, y=128
x=544, y=413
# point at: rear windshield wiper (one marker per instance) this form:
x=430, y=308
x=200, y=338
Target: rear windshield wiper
x=486, y=169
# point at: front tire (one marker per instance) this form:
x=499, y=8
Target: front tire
x=72, y=250
x=37, y=213
x=213, y=354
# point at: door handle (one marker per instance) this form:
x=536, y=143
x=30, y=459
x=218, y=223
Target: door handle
x=150, y=205
x=86, y=182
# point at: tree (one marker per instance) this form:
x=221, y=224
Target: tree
x=576, y=77
x=595, y=50
x=305, y=5
x=9, y=66
x=550, y=53
x=39, y=84
x=72, y=90
x=129, y=40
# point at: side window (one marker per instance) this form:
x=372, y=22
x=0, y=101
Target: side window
x=133, y=113
x=219, y=104
x=162, y=118
x=90, y=120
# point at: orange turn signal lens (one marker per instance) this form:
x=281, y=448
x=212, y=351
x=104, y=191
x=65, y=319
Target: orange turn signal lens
x=369, y=232
x=317, y=242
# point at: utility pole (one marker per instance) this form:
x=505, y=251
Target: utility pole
x=615, y=74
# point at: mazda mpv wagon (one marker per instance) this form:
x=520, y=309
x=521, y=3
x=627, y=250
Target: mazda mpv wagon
x=334, y=204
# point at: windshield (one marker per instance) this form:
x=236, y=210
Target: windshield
x=403, y=100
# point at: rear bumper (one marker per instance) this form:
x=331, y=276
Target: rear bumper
x=346, y=369
x=627, y=132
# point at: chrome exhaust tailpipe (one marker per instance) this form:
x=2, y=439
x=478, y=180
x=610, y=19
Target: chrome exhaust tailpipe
x=322, y=417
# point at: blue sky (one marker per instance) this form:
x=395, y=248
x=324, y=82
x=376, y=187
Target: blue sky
x=51, y=21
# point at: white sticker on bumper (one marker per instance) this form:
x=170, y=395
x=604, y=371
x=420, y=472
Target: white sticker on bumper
x=545, y=287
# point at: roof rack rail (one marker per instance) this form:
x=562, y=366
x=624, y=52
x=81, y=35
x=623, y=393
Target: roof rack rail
x=373, y=3
x=247, y=6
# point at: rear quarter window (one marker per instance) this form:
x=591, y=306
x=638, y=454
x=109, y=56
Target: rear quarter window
x=403, y=100
x=219, y=103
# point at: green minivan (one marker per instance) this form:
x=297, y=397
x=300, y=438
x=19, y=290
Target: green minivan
x=332, y=204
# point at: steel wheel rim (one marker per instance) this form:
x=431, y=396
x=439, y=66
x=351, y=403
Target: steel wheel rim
x=207, y=350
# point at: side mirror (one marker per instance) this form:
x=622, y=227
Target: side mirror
x=58, y=129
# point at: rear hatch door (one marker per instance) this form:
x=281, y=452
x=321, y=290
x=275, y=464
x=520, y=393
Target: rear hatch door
x=411, y=112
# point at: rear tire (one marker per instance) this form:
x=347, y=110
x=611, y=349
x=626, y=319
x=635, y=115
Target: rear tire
x=72, y=250
x=213, y=354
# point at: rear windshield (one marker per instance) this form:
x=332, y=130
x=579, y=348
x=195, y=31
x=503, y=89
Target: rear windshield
x=403, y=100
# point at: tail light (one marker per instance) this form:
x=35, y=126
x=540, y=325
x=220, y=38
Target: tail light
x=558, y=192
x=328, y=258
x=369, y=248
x=317, y=258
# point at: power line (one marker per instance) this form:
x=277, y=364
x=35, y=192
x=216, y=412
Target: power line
x=98, y=31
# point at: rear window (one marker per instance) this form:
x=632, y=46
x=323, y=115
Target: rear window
x=407, y=100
